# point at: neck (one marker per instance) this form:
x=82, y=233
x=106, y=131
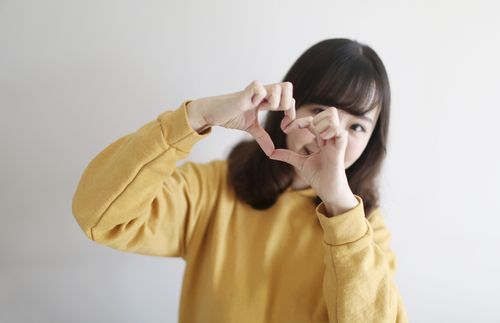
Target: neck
x=299, y=183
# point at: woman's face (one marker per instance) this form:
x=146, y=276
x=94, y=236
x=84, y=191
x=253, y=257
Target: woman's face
x=360, y=128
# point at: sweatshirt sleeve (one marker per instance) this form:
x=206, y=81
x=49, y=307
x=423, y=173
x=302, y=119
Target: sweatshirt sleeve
x=133, y=198
x=359, y=267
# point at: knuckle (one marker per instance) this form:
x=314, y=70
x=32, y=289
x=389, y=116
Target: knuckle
x=288, y=85
x=257, y=86
x=261, y=88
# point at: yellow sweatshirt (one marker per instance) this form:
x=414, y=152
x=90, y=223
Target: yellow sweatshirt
x=289, y=263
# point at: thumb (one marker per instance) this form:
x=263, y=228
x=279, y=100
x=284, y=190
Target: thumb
x=289, y=157
x=341, y=140
x=263, y=139
x=257, y=92
x=338, y=144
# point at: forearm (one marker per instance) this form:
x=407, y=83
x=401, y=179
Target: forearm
x=358, y=284
x=121, y=181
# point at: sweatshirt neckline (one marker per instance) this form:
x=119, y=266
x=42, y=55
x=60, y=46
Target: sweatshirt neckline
x=309, y=191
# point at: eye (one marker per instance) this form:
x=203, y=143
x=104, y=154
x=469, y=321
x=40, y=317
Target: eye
x=317, y=110
x=359, y=127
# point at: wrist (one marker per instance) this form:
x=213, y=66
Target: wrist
x=341, y=206
x=195, y=115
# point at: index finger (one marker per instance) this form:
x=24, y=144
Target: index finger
x=290, y=113
x=301, y=123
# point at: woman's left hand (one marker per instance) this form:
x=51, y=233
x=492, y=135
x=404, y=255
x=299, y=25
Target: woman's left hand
x=323, y=170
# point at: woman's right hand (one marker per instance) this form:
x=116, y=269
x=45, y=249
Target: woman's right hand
x=239, y=110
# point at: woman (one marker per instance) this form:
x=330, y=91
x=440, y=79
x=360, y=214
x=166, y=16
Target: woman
x=289, y=228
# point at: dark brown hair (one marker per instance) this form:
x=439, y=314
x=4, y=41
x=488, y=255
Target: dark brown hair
x=334, y=72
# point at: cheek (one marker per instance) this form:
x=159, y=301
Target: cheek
x=298, y=138
x=354, y=149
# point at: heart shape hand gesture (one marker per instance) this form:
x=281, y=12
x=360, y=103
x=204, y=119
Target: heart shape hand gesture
x=323, y=170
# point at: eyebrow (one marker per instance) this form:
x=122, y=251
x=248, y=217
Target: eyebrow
x=365, y=118
x=360, y=116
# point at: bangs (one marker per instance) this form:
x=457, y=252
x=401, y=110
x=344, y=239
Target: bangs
x=352, y=85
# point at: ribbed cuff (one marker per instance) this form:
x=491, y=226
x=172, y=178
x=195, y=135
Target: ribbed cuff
x=177, y=130
x=343, y=228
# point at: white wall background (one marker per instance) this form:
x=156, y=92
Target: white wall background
x=76, y=75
